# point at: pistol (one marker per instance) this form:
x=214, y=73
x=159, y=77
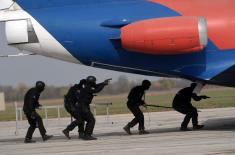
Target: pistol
x=107, y=80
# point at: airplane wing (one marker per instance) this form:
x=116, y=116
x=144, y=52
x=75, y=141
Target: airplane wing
x=226, y=78
x=17, y=55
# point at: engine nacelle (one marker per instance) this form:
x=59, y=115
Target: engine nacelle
x=166, y=36
x=20, y=31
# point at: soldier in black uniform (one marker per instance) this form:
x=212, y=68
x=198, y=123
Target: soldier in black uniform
x=182, y=103
x=30, y=105
x=85, y=98
x=134, y=101
x=70, y=104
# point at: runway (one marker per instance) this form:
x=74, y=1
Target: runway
x=218, y=137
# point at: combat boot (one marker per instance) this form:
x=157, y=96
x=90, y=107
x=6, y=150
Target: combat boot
x=143, y=132
x=81, y=135
x=185, y=129
x=88, y=137
x=27, y=140
x=46, y=137
x=127, y=129
x=66, y=133
x=198, y=127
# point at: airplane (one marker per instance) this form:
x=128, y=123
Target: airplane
x=189, y=39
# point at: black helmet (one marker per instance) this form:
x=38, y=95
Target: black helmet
x=40, y=85
x=81, y=83
x=91, y=79
x=193, y=85
x=146, y=84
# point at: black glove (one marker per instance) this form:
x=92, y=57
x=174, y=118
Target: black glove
x=106, y=82
x=38, y=106
x=142, y=103
x=145, y=105
x=205, y=97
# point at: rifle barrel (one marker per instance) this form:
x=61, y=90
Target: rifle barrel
x=158, y=106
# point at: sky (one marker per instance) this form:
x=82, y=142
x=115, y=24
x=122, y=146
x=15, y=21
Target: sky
x=28, y=69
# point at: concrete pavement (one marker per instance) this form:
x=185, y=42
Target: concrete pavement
x=218, y=137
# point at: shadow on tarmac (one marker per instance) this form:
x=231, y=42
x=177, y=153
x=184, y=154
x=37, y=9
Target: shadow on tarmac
x=218, y=124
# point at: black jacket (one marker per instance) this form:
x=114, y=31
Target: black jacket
x=183, y=97
x=73, y=94
x=71, y=98
x=31, y=100
x=135, y=96
x=87, y=93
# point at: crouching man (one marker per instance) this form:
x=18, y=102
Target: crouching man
x=182, y=103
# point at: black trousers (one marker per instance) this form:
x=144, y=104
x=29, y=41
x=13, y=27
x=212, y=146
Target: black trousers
x=75, y=114
x=190, y=112
x=77, y=122
x=86, y=115
x=139, y=117
x=34, y=123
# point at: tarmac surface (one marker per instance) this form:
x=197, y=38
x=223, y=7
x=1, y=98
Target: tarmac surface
x=217, y=138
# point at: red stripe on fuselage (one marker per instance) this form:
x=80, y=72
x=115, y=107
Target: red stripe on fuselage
x=220, y=16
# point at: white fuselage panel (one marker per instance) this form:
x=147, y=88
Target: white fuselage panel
x=17, y=36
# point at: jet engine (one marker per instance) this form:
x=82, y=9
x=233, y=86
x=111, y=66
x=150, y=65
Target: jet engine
x=166, y=36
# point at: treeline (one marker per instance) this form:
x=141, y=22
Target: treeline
x=122, y=85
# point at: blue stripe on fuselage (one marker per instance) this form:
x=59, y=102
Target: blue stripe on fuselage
x=39, y=4
x=78, y=28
